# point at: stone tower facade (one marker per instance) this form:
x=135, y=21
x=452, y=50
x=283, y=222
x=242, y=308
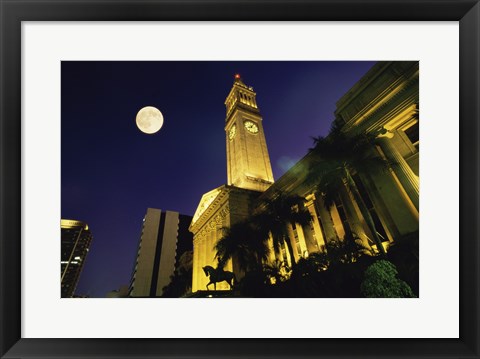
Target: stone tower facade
x=384, y=102
x=248, y=163
x=249, y=174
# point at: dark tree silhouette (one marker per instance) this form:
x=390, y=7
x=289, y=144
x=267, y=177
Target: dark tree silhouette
x=336, y=158
x=181, y=280
x=278, y=271
x=276, y=214
x=243, y=241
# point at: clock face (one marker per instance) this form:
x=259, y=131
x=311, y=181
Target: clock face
x=232, y=132
x=251, y=126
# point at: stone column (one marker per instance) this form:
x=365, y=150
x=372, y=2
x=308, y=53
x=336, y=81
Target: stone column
x=302, y=240
x=195, y=266
x=325, y=221
x=272, y=255
x=316, y=234
x=402, y=170
x=310, y=241
x=291, y=238
x=355, y=218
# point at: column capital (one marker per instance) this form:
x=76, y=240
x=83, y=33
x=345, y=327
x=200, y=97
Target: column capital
x=401, y=169
x=385, y=133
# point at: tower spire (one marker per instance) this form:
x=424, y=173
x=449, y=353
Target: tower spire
x=238, y=79
x=241, y=95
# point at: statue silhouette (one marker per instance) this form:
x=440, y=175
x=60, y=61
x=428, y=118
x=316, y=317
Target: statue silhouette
x=218, y=275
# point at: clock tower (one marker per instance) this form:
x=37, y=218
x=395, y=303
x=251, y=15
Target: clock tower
x=249, y=174
x=248, y=163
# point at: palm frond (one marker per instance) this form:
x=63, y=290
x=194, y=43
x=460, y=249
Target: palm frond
x=277, y=213
x=243, y=242
x=329, y=186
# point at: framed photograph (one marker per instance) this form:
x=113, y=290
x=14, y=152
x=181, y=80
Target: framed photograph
x=85, y=83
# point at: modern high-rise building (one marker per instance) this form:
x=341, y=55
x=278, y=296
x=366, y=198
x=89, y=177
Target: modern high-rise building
x=75, y=242
x=385, y=104
x=164, y=238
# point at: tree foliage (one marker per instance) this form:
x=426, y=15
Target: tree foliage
x=276, y=272
x=245, y=242
x=181, y=280
x=336, y=158
x=276, y=215
x=380, y=281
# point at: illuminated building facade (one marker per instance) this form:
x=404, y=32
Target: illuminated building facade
x=249, y=173
x=385, y=103
x=75, y=242
x=248, y=163
x=164, y=238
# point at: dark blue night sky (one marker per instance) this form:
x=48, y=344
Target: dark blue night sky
x=112, y=172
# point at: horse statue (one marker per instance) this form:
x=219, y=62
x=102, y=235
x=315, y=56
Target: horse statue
x=218, y=275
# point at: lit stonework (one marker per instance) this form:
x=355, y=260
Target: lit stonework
x=229, y=205
x=385, y=103
x=248, y=163
x=249, y=173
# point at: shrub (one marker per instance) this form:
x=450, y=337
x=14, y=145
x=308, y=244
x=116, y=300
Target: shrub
x=380, y=281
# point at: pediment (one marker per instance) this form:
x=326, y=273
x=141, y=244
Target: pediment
x=205, y=202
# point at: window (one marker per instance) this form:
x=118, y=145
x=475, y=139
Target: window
x=413, y=135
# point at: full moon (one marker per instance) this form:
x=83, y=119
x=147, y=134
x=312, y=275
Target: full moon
x=149, y=120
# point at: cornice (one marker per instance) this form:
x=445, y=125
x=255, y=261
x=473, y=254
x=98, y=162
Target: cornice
x=378, y=109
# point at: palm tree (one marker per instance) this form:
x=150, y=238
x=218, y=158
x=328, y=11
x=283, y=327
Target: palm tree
x=244, y=242
x=335, y=159
x=277, y=270
x=347, y=251
x=276, y=215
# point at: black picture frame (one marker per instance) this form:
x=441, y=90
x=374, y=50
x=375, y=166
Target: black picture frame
x=13, y=12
